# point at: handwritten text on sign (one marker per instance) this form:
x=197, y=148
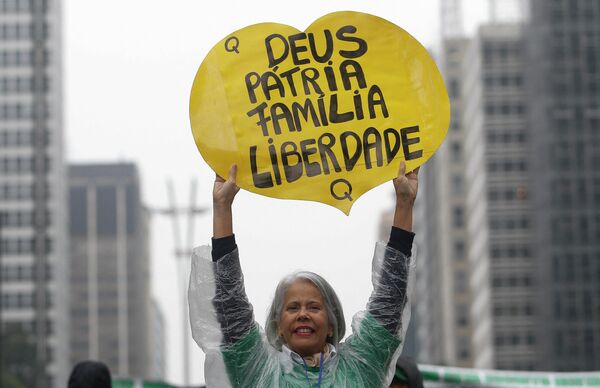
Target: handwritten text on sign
x=319, y=115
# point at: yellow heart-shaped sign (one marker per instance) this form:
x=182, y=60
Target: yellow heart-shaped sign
x=322, y=115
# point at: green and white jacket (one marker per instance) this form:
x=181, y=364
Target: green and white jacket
x=239, y=355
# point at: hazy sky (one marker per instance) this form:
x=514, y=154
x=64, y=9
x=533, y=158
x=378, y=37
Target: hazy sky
x=129, y=67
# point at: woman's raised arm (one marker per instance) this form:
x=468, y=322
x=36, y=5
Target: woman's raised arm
x=391, y=269
x=406, y=186
x=224, y=192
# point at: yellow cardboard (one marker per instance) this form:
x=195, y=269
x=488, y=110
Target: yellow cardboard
x=322, y=115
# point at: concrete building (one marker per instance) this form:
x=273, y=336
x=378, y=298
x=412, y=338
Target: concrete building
x=158, y=344
x=444, y=330
x=34, y=271
x=531, y=116
x=508, y=220
x=499, y=212
x=563, y=41
x=111, y=311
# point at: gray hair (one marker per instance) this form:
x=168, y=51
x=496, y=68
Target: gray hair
x=335, y=313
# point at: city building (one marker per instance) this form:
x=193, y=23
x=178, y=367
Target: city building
x=498, y=210
x=563, y=77
x=523, y=153
x=444, y=297
x=158, y=344
x=445, y=331
x=33, y=260
x=111, y=309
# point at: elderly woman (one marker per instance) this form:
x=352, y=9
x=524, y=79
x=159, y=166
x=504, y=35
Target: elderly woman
x=305, y=324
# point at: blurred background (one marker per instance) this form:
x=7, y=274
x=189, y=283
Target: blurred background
x=103, y=193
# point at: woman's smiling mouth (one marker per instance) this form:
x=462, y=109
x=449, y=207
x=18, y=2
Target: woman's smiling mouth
x=304, y=331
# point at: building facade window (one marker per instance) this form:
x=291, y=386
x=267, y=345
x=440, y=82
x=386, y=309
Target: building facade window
x=106, y=210
x=458, y=217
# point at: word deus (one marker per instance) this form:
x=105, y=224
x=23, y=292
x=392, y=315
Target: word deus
x=312, y=81
x=296, y=45
x=317, y=156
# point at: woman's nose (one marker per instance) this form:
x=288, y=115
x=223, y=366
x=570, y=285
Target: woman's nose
x=303, y=315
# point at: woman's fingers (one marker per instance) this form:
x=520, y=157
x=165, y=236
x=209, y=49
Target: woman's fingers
x=402, y=169
x=233, y=173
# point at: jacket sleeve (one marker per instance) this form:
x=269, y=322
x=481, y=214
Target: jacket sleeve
x=220, y=313
x=377, y=333
x=391, y=277
x=222, y=321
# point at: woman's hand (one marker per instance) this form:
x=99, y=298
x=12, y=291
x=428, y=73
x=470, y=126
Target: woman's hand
x=224, y=192
x=406, y=186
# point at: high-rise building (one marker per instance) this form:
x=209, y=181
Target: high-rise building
x=111, y=311
x=157, y=343
x=498, y=210
x=563, y=77
x=33, y=306
x=526, y=100
x=444, y=329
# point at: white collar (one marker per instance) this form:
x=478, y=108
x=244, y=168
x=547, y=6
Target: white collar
x=299, y=359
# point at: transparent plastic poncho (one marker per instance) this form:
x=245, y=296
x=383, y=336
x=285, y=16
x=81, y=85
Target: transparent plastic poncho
x=220, y=311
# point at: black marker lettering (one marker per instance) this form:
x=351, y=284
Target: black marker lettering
x=288, y=75
x=406, y=142
x=326, y=152
x=350, y=161
x=252, y=82
x=276, y=84
x=358, y=105
x=328, y=47
x=280, y=111
x=322, y=112
x=330, y=77
x=334, y=116
x=274, y=162
x=343, y=34
x=310, y=79
x=261, y=180
x=270, y=51
x=376, y=92
x=390, y=152
x=305, y=110
x=308, y=149
x=295, y=49
x=262, y=120
x=356, y=72
x=369, y=145
x=292, y=172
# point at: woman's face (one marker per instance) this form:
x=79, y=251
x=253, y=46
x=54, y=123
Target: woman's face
x=304, y=324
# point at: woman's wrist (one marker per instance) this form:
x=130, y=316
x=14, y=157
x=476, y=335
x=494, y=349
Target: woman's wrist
x=403, y=215
x=222, y=220
x=222, y=206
